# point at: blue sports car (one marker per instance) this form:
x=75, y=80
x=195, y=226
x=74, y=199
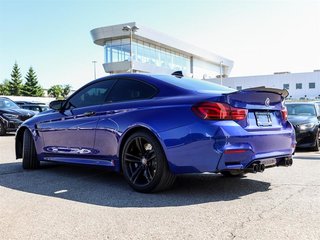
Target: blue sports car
x=153, y=127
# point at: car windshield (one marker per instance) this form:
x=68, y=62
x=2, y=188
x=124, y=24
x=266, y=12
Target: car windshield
x=7, y=103
x=301, y=109
x=194, y=84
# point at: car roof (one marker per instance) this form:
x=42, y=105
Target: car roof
x=171, y=84
x=30, y=103
x=34, y=103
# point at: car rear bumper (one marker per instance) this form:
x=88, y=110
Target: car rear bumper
x=269, y=149
x=215, y=147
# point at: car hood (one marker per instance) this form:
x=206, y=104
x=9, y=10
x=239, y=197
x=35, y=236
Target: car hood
x=18, y=111
x=297, y=120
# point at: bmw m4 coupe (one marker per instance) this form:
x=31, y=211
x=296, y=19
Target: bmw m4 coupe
x=154, y=127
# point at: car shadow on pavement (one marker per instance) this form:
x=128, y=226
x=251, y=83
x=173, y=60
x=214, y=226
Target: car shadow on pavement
x=97, y=186
x=8, y=135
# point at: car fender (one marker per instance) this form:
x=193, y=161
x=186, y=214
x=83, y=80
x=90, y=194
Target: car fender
x=19, y=138
x=137, y=126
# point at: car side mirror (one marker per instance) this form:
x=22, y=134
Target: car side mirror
x=57, y=104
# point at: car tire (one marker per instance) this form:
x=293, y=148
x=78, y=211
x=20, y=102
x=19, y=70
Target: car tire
x=29, y=155
x=2, y=129
x=144, y=163
x=317, y=145
x=232, y=174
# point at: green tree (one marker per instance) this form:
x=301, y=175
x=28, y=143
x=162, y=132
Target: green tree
x=55, y=91
x=66, y=90
x=4, y=87
x=15, y=84
x=32, y=87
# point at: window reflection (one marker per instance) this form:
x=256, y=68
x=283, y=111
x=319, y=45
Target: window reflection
x=119, y=50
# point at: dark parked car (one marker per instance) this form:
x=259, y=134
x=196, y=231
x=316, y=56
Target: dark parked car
x=305, y=117
x=11, y=115
x=35, y=107
x=153, y=127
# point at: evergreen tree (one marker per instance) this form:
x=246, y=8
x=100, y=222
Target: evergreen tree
x=4, y=87
x=15, y=84
x=32, y=87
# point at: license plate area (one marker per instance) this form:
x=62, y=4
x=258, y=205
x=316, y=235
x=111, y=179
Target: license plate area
x=263, y=119
x=268, y=162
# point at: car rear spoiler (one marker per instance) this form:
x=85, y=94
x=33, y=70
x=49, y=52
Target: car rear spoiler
x=283, y=92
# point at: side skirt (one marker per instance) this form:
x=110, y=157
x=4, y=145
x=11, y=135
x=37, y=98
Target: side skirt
x=84, y=161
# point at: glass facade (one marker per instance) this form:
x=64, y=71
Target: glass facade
x=143, y=52
x=117, y=50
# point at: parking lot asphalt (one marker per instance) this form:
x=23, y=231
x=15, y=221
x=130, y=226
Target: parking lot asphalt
x=75, y=202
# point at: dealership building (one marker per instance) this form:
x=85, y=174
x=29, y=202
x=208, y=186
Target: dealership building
x=299, y=85
x=131, y=47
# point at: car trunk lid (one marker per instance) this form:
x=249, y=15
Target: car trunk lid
x=260, y=98
x=264, y=105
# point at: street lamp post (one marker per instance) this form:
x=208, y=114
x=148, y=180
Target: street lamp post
x=131, y=30
x=94, y=69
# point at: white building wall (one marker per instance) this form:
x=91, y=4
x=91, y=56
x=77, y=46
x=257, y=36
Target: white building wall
x=278, y=81
x=204, y=70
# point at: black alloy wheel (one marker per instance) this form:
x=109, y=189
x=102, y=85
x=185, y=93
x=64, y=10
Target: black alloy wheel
x=144, y=164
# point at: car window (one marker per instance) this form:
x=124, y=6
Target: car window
x=33, y=108
x=93, y=94
x=44, y=108
x=127, y=89
x=301, y=109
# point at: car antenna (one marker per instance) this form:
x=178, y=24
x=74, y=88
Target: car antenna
x=178, y=74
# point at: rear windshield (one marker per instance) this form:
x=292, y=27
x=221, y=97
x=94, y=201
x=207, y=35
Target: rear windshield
x=301, y=109
x=7, y=104
x=195, y=84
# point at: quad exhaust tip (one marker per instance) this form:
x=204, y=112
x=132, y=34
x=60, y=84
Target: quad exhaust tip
x=256, y=167
x=285, y=162
x=260, y=167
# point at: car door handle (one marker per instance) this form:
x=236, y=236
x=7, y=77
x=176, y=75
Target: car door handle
x=88, y=114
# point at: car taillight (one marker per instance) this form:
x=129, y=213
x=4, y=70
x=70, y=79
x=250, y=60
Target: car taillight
x=284, y=114
x=219, y=111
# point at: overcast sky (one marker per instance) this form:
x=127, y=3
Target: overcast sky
x=261, y=37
